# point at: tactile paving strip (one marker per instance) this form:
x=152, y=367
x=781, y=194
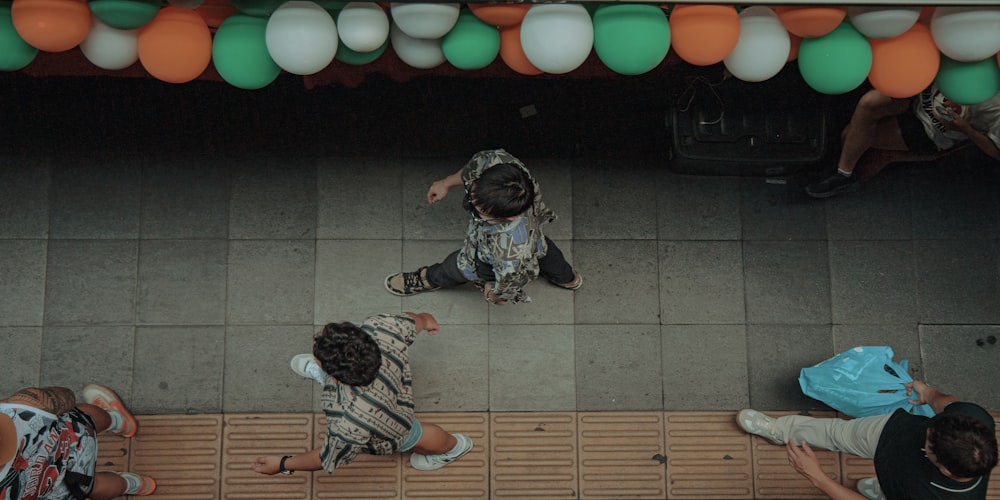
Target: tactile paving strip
x=533, y=456
x=250, y=436
x=368, y=476
x=112, y=453
x=182, y=452
x=466, y=478
x=708, y=456
x=775, y=478
x=621, y=455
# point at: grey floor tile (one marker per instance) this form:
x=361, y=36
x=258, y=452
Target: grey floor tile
x=185, y=198
x=556, y=184
x=182, y=282
x=622, y=282
x=274, y=202
x=359, y=198
x=445, y=219
x=73, y=356
x=872, y=282
x=775, y=355
x=903, y=339
x=91, y=282
x=605, y=354
x=704, y=367
x=779, y=212
x=701, y=282
x=879, y=210
x=24, y=197
x=349, y=279
x=22, y=273
x=610, y=202
x=698, y=208
x=549, y=304
x=95, y=197
x=531, y=368
x=450, y=369
x=271, y=281
x=178, y=369
x=461, y=305
x=257, y=376
x=20, y=358
x=958, y=281
x=963, y=206
x=787, y=282
x=962, y=360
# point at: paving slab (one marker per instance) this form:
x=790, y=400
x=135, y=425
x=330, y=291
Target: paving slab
x=872, y=282
x=533, y=456
x=25, y=182
x=271, y=282
x=91, y=282
x=621, y=455
x=698, y=207
x=268, y=201
x=708, y=456
x=622, y=282
x=604, y=353
x=182, y=282
x=95, y=195
x=704, y=367
x=22, y=272
x=185, y=198
x=359, y=198
x=612, y=203
x=958, y=281
x=787, y=282
x=701, y=282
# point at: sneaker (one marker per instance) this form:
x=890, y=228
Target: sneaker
x=762, y=425
x=107, y=400
x=832, y=185
x=435, y=462
x=870, y=489
x=575, y=284
x=404, y=284
x=305, y=366
x=139, y=486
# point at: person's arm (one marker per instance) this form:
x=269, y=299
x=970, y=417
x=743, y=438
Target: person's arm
x=425, y=321
x=270, y=465
x=979, y=139
x=440, y=188
x=929, y=395
x=55, y=400
x=804, y=461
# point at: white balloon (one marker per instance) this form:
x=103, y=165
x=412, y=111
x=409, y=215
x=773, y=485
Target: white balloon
x=883, y=21
x=967, y=34
x=301, y=37
x=186, y=4
x=417, y=52
x=762, y=48
x=110, y=48
x=363, y=26
x=425, y=20
x=557, y=38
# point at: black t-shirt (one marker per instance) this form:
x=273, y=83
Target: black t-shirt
x=905, y=473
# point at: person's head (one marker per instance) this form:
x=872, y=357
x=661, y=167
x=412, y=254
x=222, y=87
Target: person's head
x=501, y=191
x=962, y=445
x=347, y=353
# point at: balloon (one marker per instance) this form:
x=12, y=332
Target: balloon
x=512, y=53
x=240, y=52
x=257, y=8
x=631, y=39
x=51, y=25
x=967, y=33
x=810, y=22
x=110, y=48
x=301, y=37
x=425, y=20
x=15, y=53
x=883, y=21
x=214, y=12
x=125, y=14
x=837, y=62
x=501, y=15
x=363, y=26
x=420, y=53
x=557, y=38
x=763, y=47
x=471, y=44
x=175, y=46
x=968, y=82
x=186, y=4
x=904, y=65
x=348, y=56
x=793, y=54
x=704, y=34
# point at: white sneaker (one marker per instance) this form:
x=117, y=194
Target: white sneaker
x=305, y=366
x=435, y=462
x=870, y=488
x=762, y=425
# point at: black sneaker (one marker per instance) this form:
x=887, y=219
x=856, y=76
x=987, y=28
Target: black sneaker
x=405, y=284
x=832, y=185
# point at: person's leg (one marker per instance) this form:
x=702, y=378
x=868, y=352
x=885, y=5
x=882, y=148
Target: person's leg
x=434, y=440
x=107, y=485
x=857, y=437
x=435, y=447
x=102, y=420
x=446, y=273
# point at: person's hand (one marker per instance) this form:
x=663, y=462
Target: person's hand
x=950, y=120
x=268, y=465
x=804, y=460
x=490, y=296
x=922, y=390
x=437, y=192
x=430, y=324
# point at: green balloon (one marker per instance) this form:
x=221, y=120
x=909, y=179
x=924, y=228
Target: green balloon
x=125, y=14
x=240, y=54
x=837, y=62
x=355, y=58
x=471, y=44
x=15, y=53
x=968, y=82
x=631, y=39
x=258, y=8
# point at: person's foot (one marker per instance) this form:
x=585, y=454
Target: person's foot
x=870, y=489
x=573, y=285
x=435, y=462
x=405, y=284
x=107, y=400
x=137, y=485
x=762, y=425
x=833, y=185
x=305, y=366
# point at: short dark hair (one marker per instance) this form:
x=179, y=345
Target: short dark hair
x=503, y=190
x=348, y=353
x=963, y=445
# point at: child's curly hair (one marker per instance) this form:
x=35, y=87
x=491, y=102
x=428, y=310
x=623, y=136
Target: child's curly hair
x=347, y=353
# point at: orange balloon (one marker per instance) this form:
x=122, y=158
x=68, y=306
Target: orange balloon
x=51, y=25
x=904, y=65
x=215, y=12
x=810, y=22
x=175, y=46
x=793, y=52
x=512, y=53
x=704, y=34
x=500, y=14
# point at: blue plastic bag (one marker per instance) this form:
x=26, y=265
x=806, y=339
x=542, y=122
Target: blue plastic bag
x=861, y=382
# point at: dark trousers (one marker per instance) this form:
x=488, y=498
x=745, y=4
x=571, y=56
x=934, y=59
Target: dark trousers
x=552, y=266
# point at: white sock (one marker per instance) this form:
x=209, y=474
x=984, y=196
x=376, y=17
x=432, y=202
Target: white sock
x=844, y=173
x=316, y=372
x=117, y=422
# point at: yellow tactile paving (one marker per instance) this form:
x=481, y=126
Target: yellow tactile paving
x=469, y=477
x=182, y=452
x=533, y=456
x=250, y=436
x=621, y=455
x=708, y=456
x=774, y=478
